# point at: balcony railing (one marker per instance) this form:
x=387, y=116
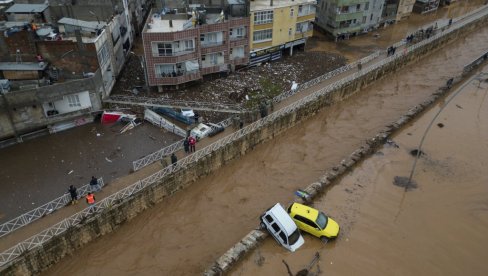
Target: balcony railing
x=212, y=43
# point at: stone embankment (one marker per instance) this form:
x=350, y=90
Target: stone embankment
x=38, y=258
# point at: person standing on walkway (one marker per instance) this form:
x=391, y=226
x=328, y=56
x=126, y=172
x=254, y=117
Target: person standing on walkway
x=360, y=66
x=192, y=142
x=186, y=145
x=173, y=159
x=90, y=199
x=74, y=194
x=94, y=184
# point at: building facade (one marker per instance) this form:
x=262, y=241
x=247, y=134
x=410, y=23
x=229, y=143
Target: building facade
x=405, y=8
x=179, y=48
x=344, y=18
x=277, y=26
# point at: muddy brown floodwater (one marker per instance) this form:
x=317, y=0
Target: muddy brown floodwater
x=439, y=228
x=185, y=233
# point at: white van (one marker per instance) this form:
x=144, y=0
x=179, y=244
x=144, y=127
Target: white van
x=280, y=225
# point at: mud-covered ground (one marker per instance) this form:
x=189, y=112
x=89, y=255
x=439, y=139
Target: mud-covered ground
x=301, y=67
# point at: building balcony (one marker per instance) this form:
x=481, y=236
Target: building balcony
x=173, y=59
x=218, y=48
x=239, y=42
x=206, y=44
x=306, y=17
x=348, y=16
x=240, y=61
x=214, y=69
x=179, y=79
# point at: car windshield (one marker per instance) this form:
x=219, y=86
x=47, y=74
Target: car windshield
x=294, y=237
x=322, y=220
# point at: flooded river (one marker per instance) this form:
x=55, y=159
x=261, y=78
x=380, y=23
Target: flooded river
x=185, y=233
x=439, y=228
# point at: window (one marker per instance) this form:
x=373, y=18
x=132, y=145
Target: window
x=189, y=45
x=237, y=32
x=263, y=35
x=364, y=19
x=263, y=17
x=283, y=237
x=275, y=227
x=358, y=7
x=103, y=54
x=164, y=70
x=290, y=31
x=371, y=17
x=74, y=101
x=292, y=12
x=344, y=9
x=164, y=49
x=300, y=9
x=306, y=221
x=367, y=6
x=237, y=52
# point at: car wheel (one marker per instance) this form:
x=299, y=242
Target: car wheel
x=262, y=225
x=324, y=239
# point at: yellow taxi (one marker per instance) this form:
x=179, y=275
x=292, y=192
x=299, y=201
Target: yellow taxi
x=313, y=221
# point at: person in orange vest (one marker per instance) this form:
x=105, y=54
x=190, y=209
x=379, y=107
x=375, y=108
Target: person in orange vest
x=90, y=198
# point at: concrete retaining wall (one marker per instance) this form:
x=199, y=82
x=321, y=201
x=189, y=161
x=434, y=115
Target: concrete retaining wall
x=40, y=258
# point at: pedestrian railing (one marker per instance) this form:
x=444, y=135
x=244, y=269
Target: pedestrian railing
x=325, y=76
x=124, y=194
x=42, y=210
x=159, y=121
x=162, y=102
x=166, y=151
x=158, y=155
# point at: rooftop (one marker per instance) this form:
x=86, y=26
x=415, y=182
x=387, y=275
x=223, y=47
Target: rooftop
x=85, y=25
x=27, y=8
x=23, y=66
x=160, y=23
x=258, y=5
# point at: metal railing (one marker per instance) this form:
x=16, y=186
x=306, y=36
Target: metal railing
x=325, y=76
x=80, y=217
x=161, y=102
x=43, y=210
x=160, y=154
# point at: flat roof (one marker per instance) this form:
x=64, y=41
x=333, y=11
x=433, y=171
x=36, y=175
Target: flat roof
x=27, y=8
x=258, y=5
x=94, y=25
x=23, y=66
x=162, y=26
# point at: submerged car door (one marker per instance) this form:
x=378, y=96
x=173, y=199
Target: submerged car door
x=307, y=225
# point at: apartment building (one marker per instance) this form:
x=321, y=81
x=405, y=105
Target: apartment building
x=344, y=18
x=184, y=45
x=405, y=8
x=277, y=26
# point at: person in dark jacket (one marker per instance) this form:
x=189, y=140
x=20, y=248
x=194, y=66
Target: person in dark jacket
x=74, y=194
x=186, y=145
x=174, y=159
x=94, y=184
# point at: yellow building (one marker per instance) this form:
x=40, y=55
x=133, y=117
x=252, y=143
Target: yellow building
x=278, y=26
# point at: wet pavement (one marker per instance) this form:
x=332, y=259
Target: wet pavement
x=436, y=229
x=186, y=232
x=37, y=171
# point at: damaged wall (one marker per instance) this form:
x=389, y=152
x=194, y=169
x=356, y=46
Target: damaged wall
x=40, y=258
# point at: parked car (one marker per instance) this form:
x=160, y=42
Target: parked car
x=313, y=221
x=282, y=228
x=201, y=131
